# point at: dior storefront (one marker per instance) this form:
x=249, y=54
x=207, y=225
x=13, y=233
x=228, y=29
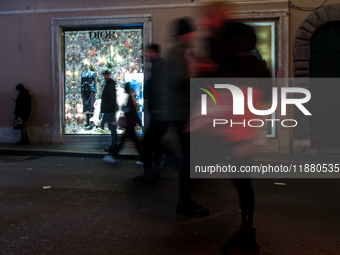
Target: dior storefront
x=71, y=47
x=84, y=48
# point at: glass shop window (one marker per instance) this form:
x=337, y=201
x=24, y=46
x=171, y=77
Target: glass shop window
x=90, y=52
x=267, y=50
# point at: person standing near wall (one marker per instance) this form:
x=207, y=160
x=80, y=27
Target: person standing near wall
x=109, y=107
x=23, y=111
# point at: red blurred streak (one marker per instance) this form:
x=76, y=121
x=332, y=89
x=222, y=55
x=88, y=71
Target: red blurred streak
x=218, y=96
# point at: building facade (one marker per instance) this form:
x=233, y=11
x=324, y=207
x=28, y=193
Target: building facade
x=54, y=48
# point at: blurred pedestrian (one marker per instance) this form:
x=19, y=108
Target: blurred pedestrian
x=214, y=15
x=129, y=123
x=109, y=107
x=23, y=112
x=237, y=61
x=155, y=104
x=179, y=71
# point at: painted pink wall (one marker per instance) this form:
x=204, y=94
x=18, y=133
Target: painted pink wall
x=25, y=57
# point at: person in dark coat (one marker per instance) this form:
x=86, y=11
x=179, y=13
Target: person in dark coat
x=179, y=72
x=131, y=119
x=109, y=107
x=23, y=111
x=155, y=104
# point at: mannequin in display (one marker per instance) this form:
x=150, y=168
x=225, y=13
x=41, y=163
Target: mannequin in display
x=88, y=91
x=95, y=118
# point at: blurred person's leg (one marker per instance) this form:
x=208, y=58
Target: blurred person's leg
x=148, y=145
x=245, y=191
x=159, y=128
x=103, y=121
x=113, y=128
x=247, y=200
x=243, y=241
x=152, y=137
x=184, y=166
x=120, y=145
x=113, y=152
x=24, y=130
x=24, y=135
x=132, y=135
x=185, y=205
x=157, y=156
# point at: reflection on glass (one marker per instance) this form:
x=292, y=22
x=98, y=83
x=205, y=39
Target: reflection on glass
x=87, y=55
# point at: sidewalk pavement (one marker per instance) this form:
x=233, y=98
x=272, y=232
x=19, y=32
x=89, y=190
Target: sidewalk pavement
x=96, y=150
x=92, y=150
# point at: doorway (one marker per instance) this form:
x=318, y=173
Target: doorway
x=325, y=102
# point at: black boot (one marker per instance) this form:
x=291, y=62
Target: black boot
x=243, y=242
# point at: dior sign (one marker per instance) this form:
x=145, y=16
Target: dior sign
x=101, y=34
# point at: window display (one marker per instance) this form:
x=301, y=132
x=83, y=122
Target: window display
x=88, y=53
x=265, y=50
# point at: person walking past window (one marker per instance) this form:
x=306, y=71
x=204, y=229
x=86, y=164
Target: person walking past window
x=179, y=71
x=128, y=122
x=109, y=107
x=155, y=102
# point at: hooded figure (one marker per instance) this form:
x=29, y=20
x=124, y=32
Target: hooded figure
x=23, y=111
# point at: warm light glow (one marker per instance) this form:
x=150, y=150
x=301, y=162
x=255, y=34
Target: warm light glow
x=102, y=60
x=86, y=61
x=119, y=58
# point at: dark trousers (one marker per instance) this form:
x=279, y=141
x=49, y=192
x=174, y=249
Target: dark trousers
x=152, y=153
x=24, y=130
x=245, y=192
x=129, y=133
x=184, y=166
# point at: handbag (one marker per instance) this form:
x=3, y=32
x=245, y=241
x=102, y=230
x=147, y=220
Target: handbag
x=18, y=124
x=123, y=122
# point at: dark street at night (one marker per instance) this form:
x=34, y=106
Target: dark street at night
x=95, y=208
x=182, y=127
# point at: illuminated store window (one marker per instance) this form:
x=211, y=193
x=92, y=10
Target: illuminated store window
x=266, y=51
x=88, y=53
